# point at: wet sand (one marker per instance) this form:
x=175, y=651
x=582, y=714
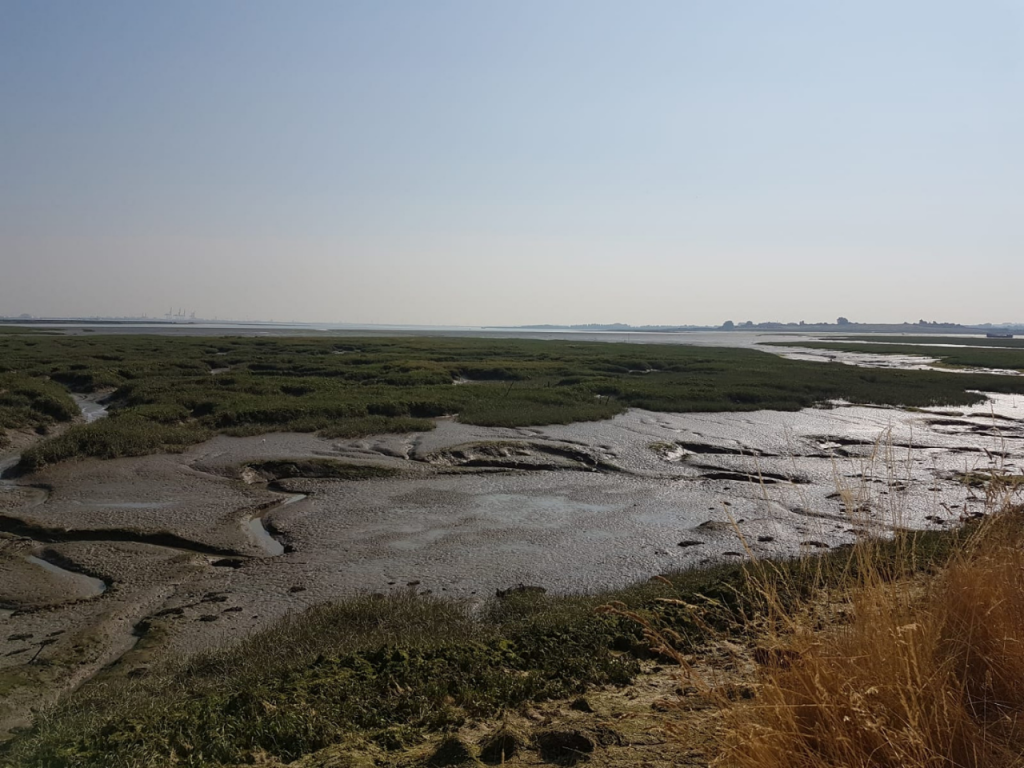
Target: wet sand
x=128, y=561
x=869, y=359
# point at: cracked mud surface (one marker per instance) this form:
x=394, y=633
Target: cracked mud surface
x=110, y=566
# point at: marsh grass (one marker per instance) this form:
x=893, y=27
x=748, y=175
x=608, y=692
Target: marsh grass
x=112, y=438
x=21, y=330
x=28, y=402
x=393, y=670
x=374, y=425
x=164, y=396
x=926, y=674
x=904, y=651
x=390, y=669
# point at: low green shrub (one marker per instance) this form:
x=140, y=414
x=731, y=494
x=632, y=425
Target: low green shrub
x=115, y=437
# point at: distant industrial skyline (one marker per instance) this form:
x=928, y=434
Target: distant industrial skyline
x=555, y=161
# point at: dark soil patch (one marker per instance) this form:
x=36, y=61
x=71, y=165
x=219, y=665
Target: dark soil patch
x=564, y=747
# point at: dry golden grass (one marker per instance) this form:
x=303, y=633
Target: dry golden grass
x=926, y=674
x=878, y=659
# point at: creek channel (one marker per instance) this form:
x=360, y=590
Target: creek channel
x=87, y=586
x=92, y=409
x=258, y=530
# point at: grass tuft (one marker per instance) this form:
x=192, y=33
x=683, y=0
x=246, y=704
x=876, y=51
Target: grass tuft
x=124, y=435
x=926, y=674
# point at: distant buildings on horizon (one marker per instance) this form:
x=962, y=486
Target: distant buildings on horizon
x=841, y=324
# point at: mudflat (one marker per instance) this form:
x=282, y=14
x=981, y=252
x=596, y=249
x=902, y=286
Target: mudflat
x=108, y=566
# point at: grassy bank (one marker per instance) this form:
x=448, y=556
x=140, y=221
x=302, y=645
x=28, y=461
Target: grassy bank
x=992, y=356
x=32, y=402
x=925, y=674
x=168, y=392
x=21, y=330
x=392, y=671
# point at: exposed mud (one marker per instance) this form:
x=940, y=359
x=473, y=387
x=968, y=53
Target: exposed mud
x=869, y=359
x=266, y=536
x=707, y=449
x=760, y=476
x=13, y=525
x=53, y=562
x=520, y=455
x=193, y=550
x=38, y=577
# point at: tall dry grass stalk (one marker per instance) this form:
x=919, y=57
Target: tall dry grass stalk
x=877, y=659
x=929, y=672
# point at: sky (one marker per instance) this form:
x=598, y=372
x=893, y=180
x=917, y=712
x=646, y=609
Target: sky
x=476, y=162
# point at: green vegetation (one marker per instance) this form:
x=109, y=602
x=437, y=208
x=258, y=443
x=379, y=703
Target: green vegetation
x=375, y=425
x=23, y=331
x=28, y=402
x=128, y=435
x=394, y=670
x=170, y=392
x=1010, y=359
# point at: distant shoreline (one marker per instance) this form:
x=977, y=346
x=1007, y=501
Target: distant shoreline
x=615, y=328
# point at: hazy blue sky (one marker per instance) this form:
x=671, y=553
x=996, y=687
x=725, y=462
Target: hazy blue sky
x=523, y=161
